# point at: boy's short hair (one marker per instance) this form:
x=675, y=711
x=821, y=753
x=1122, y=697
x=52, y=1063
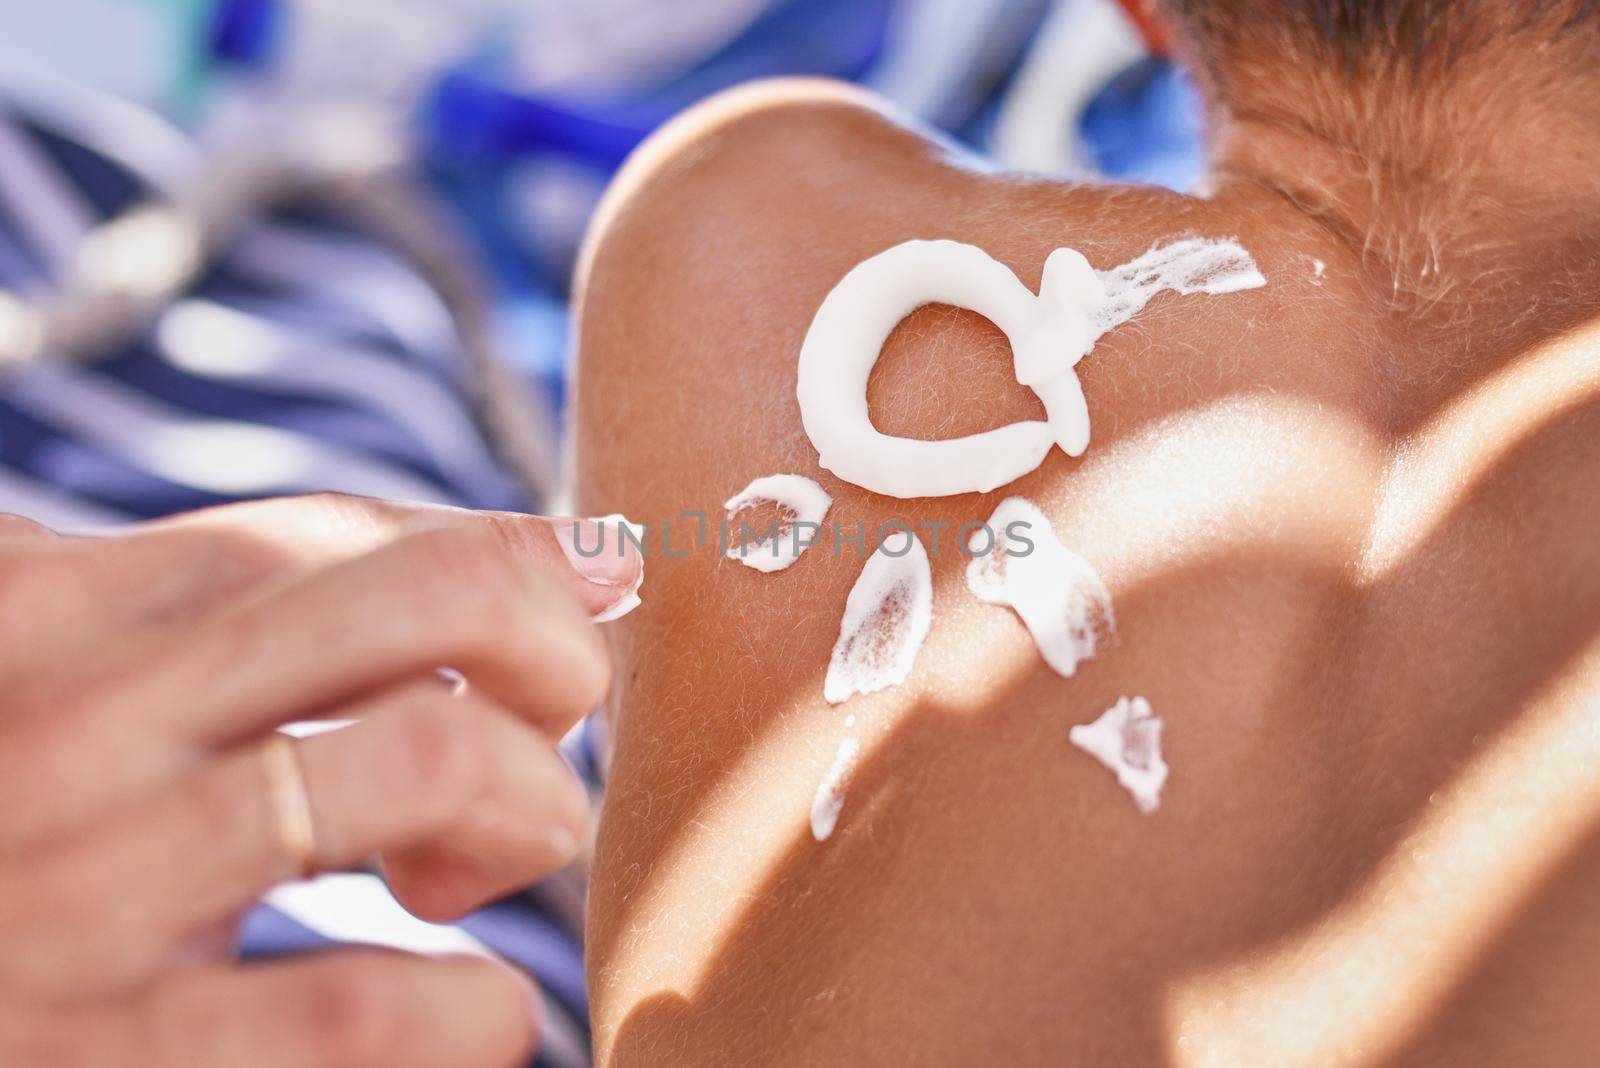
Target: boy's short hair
x=1382, y=34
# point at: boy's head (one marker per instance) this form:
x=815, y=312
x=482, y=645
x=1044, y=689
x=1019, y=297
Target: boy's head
x=1414, y=86
x=1432, y=133
x=1416, y=38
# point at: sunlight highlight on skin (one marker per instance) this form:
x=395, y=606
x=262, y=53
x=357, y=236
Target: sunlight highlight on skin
x=1464, y=441
x=1489, y=839
x=1150, y=502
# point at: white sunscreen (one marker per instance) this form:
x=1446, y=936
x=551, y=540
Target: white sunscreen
x=829, y=798
x=1049, y=333
x=1127, y=739
x=1193, y=265
x=886, y=618
x=805, y=503
x=629, y=600
x=1019, y=562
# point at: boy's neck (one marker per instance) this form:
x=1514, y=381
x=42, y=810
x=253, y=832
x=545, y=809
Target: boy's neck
x=1476, y=211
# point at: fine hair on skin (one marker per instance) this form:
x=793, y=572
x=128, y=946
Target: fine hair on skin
x=1425, y=134
x=1365, y=37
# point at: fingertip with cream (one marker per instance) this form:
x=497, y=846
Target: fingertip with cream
x=608, y=554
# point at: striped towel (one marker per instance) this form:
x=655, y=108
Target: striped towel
x=308, y=359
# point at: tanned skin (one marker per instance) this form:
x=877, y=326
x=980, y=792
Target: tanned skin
x=1349, y=529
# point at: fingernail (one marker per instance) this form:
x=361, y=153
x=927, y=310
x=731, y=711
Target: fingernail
x=606, y=555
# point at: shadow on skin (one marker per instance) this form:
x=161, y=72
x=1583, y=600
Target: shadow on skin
x=1547, y=948
x=905, y=868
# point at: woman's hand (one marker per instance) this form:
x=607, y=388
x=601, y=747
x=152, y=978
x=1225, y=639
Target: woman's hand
x=141, y=677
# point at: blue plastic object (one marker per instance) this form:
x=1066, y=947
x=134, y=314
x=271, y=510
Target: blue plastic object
x=246, y=32
x=1146, y=127
x=474, y=114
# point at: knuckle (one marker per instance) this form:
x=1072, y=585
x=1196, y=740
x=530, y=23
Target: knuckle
x=470, y=576
x=35, y=753
x=34, y=568
x=369, y=517
x=48, y=895
x=349, y=1016
x=485, y=556
x=443, y=749
x=320, y=516
x=514, y=534
x=517, y=1035
x=18, y=902
x=79, y=699
x=225, y=559
x=126, y=945
x=54, y=721
x=60, y=928
x=221, y=810
x=32, y=1034
x=335, y=509
x=16, y=528
x=180, y=1016
x=94, y=702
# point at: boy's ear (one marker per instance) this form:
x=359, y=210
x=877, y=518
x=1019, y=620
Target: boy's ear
x=1152, y=24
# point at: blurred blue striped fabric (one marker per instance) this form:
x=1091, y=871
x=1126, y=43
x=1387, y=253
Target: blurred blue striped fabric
x=312, y=358
x=308, y=358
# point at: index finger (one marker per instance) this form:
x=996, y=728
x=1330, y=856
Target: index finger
x=486, y=599
x=185, y=566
